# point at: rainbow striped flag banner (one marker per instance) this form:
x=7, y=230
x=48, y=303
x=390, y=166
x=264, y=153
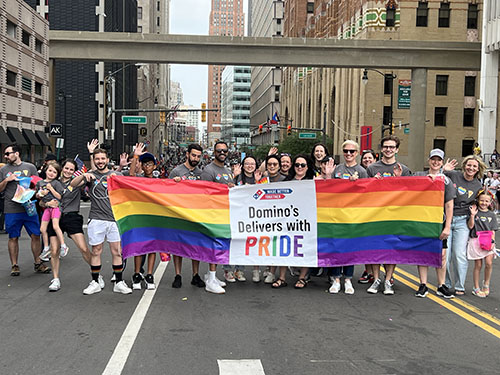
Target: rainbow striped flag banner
x=297, y=223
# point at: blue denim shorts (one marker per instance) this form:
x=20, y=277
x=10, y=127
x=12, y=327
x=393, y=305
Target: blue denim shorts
x=14, y=222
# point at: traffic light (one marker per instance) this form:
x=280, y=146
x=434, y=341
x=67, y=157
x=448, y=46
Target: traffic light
x=203, y=113
x=289, y=130
x=163, y=117
x=260, y=128
x=393, y=127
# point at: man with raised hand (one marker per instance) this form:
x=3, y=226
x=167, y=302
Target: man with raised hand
x=388, y=166
x=217, y=172
x=188, y=171
x=15, y=214
x=102, y=225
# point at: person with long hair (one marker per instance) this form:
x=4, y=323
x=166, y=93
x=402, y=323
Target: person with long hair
x=318, y=153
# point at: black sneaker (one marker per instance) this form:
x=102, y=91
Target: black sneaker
x=136, y=281
x=444, y=292
x=177, y=281
x=150, y=282
x=422, y=291
x=365, y=277
x=197, y=281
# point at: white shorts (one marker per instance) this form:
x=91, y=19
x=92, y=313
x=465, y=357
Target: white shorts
x=99, y=230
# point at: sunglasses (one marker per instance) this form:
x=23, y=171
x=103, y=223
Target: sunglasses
x=300, y=165
x=8, y=153
x=222, y=151
x=272, y=164
x=349, y=151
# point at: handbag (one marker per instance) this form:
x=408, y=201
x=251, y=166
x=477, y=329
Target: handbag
x=485, y=238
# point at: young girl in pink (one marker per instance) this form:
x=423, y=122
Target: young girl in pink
x=47, y=190
x=480, y=248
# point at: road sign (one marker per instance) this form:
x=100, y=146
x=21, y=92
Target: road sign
x=307, y=135
x=60, y=143
x=407, y=131
x=55, y=130
x=143, y=131
x=134, y=119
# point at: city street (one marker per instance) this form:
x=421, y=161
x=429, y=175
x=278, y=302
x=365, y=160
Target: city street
x=189, y=331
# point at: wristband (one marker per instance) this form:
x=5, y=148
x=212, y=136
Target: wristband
x=136, y=156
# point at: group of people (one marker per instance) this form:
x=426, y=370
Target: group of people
x=469, y=220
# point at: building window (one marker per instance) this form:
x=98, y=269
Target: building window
x=157, y=21
x=11, y=29
x=11, y=78
x=26, y=84
x=422, y=14
x=26, y=38
x=440, y=116
x=469, y=117
x=387, y=115
x=444, y=15
x=440, y=143
x=441, y=85
x=158, y=6
x=139, y=29
x=139, y=13
x=472, y=16
x=390, y=17
x=38, y=45
x=388, y=84
x=467, y=146
x=38, y=88
x=310, y=8
x=470, y=86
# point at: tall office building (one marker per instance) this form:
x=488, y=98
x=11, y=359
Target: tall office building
x=226, y=18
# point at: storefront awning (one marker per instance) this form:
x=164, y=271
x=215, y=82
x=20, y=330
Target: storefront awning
x=44, y=140
x=4, y=138
x=30, y=136
x=16, y=136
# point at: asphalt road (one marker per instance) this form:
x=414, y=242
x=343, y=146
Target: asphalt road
x=186, y=331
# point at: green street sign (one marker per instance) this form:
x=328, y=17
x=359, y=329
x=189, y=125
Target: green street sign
x=407, y=131
x=134, y=119
x=307, y=135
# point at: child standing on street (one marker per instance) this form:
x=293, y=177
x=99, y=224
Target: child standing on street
x=48, y=189
x=483, y=224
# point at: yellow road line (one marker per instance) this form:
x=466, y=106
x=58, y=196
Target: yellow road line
x=458, y=301
x=449, y=306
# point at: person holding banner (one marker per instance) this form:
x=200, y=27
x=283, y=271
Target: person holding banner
x=217, y=172
x=388, y=166
x=318, y=152
x=188, y=171
x=303, y=169
x=436, y=158
x=286, y=163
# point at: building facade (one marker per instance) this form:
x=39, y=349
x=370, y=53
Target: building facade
x=24, y=82
x=226, y=18
x=235, y=105
x=361, y=109
x=267, y=21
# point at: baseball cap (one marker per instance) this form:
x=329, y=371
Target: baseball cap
x=146, y=157
x=437, y=152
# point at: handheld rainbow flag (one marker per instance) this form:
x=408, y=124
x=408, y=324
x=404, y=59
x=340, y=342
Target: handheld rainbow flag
x=310, y=223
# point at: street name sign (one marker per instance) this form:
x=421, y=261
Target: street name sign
x=134, y=119
x=307, y=135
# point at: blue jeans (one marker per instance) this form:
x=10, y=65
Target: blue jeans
x=347, y=271
x=456, y=256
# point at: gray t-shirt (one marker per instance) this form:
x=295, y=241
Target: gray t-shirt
x=450, y=192
x=248, y=180
x=278, y=178
x=185, y=173
x=56, y=184
x=22, y=170
x=385, y=170
x=466, y=192
x=484, y=221
x=70, y=201
x=100, y=206
x=344, y=172
x=214, y=173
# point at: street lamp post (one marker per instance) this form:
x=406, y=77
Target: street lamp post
x=63, y=98
x=392, y=77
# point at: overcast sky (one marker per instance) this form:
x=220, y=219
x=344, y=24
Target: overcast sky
x=191, y=17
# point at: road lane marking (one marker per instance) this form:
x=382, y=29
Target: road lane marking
x=240, y=367
x=458, y=301
x=122, y=350
x=495, y=332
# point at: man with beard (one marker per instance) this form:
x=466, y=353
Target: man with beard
x=102, y=224
x=188, y=171
x=217, y=172
x=15, y=214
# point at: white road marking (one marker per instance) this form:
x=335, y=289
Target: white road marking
x=119, y=358
x=240, y=367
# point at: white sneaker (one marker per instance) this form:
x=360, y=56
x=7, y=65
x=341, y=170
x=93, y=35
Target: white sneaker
x=122, y=287
x=45, y=255
x=101, y=282
x=388, y=288
x=64, y=250
x=55, y=285
x=373, y=289
x=256, y=276
x=335, y=288
x=213, y=286
x=220, y=282
x=348, y=288
x=270, y=278
x=229, y=276
x=92, y=288
x=240, y=276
